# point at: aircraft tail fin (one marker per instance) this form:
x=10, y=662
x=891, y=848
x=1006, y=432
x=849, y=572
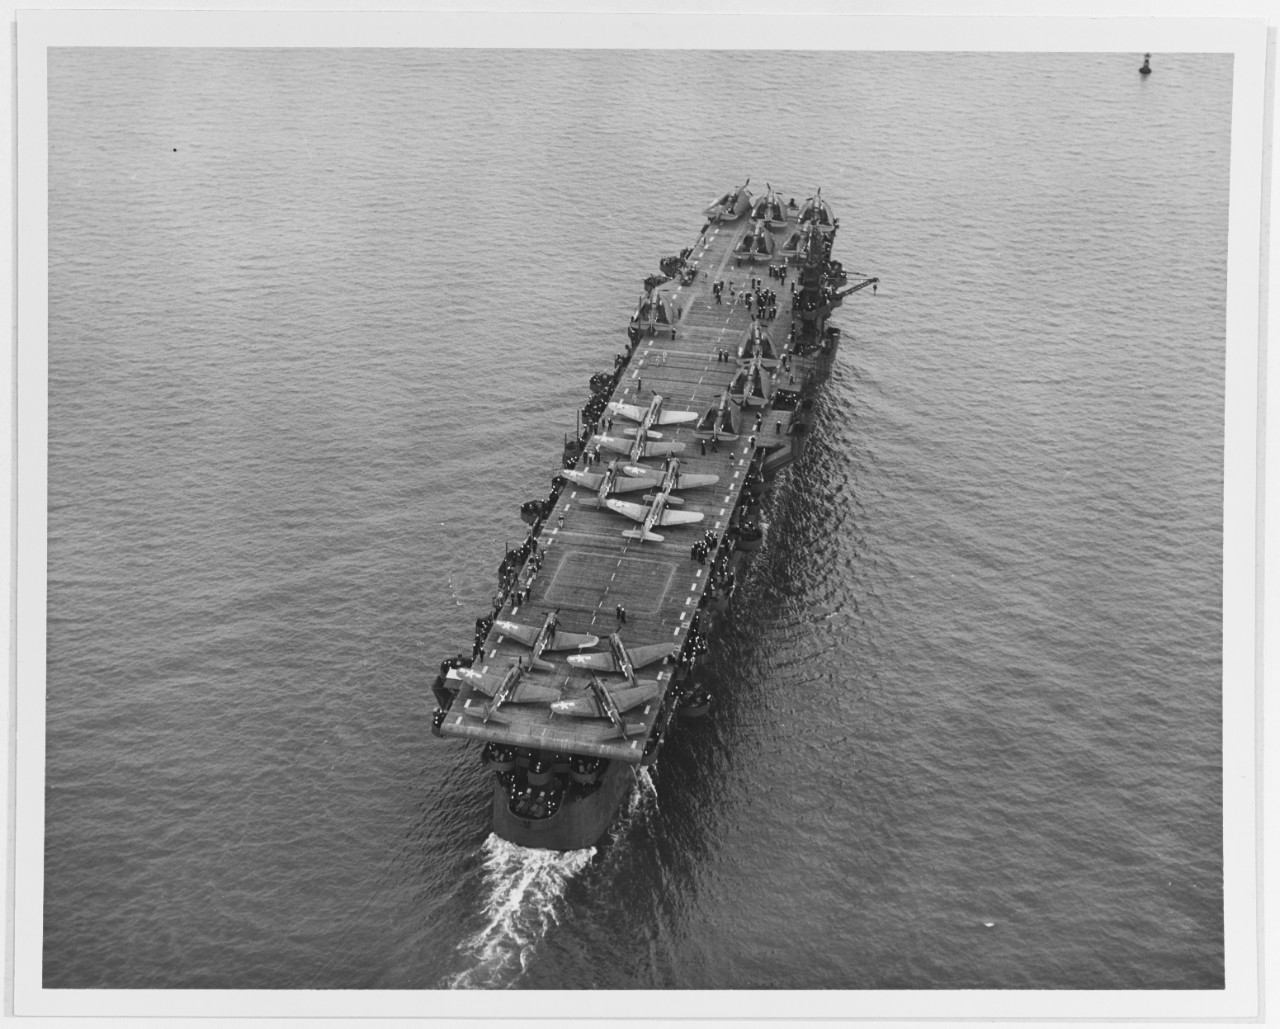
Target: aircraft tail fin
x=538, y=665
x=643, y=535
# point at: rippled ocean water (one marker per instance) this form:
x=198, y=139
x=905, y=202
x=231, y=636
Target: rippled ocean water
x=318, y=322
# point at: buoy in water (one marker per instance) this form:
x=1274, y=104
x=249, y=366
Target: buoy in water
x=1146, y=65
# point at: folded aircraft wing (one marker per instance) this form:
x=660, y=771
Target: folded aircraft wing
x=661, y=449
x=670, y=517
x=636, y=512
x=588, y=479
x=531, y=693
x=641, y=656
x=691, y=480
x=526, y=634
x=572, y=640
x=582, y=706
x=600, y=661
x=627, y=483
x=676, y=417
x=636, y=414
x=617, y=444
x=634, y=696
x=486, y=683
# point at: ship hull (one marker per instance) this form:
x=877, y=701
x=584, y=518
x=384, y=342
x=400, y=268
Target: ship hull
x=578, y=823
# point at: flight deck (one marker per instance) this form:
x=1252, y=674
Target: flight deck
x=684, y=346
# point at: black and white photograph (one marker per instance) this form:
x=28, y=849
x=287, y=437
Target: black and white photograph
x=674, y=516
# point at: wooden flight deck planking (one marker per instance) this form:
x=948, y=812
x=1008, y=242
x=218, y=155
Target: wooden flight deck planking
x=589, y=567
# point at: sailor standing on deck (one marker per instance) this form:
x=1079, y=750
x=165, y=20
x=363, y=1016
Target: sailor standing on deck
x=622, y=615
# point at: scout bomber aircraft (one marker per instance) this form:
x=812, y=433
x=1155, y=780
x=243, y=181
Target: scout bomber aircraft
x=652, y=415
x=636, y=477
x=603, y=702
x=654, y=510
x=548, y=638
x=641, y=442
x=508, y=688
x=609, y=481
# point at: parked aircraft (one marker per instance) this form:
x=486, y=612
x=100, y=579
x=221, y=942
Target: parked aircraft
x=653, y=512
x=756, y=245
x=611, y=480
x=674, y=478
x=639, y=445
x=651, y=415
x=547, y=638
x=769, y=209
x=751, y=387
x=731, y=205
x=620, y=658
x=603, y=702
x=507, y=689
x=718, y=421
x=756, y=343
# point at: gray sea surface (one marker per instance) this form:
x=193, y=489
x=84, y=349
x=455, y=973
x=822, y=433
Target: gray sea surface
x=319, y=320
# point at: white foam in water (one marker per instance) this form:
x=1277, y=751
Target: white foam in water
x=644, y=797
x=524, y=888
x=641, y=802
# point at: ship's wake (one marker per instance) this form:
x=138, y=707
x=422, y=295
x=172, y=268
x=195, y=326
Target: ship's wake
x=642, y=804
x=525, y=887
x=644, y=796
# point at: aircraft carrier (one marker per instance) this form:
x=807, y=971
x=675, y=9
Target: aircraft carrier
x=601, y=616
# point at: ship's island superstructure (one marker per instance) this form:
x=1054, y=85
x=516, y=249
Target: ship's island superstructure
x=602, y=614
